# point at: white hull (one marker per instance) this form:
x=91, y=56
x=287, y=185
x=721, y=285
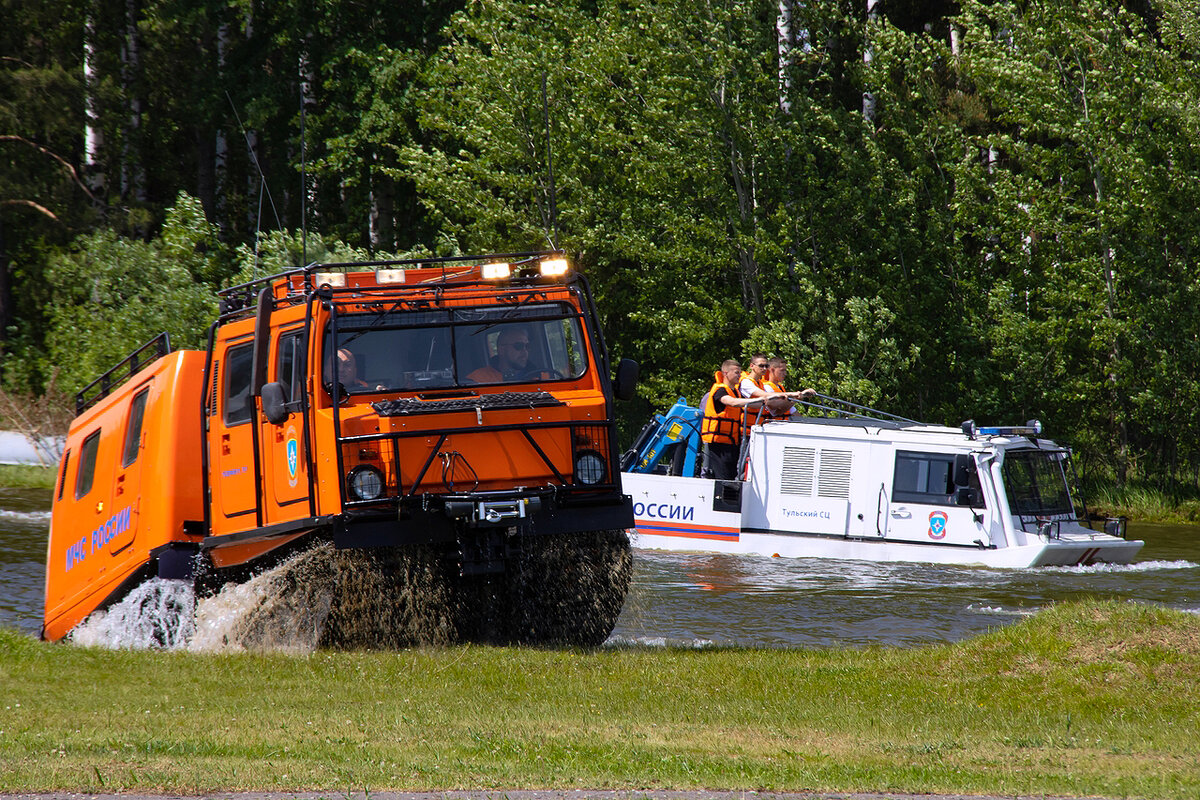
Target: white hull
x=676, y=513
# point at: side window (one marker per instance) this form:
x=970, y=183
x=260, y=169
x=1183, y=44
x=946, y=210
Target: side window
x=923, y=478
x=133, y=428
x=565, y=347
x=87, y=465
x=237, y=408
x=289, y=369
x=62, y=478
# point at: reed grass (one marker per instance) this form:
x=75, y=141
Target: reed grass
x=27, y=476
x=1143, y=502
x=1089, y=698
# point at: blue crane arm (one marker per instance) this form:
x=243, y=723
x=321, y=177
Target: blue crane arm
x=679, y=426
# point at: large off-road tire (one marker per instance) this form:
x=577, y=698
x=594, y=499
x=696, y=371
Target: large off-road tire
x=569, y=589
x=391, y=597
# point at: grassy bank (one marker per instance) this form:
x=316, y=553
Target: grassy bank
x=1082, y=699
x=24, y=476
x=1143, y=503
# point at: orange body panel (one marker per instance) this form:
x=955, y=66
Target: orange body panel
x=138, y=499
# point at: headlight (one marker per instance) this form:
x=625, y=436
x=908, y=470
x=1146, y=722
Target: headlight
x=589, y=469
x=365, y=483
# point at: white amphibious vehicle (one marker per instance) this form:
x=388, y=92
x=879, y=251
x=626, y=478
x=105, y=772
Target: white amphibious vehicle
x=870, y=488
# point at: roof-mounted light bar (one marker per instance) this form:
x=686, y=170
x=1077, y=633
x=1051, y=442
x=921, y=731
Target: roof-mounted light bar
x=390, y=276
x=335, y=279
x=496, y=271
x=554, y=267
x=1031, y=428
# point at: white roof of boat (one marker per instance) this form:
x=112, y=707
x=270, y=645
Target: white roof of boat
x=897, y=430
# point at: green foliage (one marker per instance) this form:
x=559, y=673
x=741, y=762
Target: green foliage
x=1014, y=234
x=112, y=294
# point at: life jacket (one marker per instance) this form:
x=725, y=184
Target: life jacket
x=773, y=387
x=720, y=425
x=754, y=415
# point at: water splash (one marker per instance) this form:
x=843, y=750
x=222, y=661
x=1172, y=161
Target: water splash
x=562, y=589
x=282, y=609
x=1137, y=566
x=26, y=517
x=157, y=614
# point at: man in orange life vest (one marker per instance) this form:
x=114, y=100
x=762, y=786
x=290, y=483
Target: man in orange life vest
x=764, y=378
x=773, y=384
x=721, y=428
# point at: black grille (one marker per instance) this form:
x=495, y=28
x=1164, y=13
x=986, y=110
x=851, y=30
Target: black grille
x=403, y=406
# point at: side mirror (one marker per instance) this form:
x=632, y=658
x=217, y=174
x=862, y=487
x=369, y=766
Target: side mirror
x=964, y=469
x=626, y=380
x=964, y=496
x=274, y=403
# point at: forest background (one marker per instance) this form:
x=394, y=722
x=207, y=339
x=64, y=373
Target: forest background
x=941, y=209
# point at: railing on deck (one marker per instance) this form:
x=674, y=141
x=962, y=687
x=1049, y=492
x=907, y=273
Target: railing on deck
x=129, y=366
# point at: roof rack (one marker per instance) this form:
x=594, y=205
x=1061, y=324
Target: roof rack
x=243, y=295
x=131, y=364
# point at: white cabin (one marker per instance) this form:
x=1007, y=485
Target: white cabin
x=879, y=490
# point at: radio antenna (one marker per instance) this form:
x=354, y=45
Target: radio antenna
x=303, y=187
x=550, y=167
x=263, y=188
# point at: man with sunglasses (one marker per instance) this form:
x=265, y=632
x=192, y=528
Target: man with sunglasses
x=511, y=362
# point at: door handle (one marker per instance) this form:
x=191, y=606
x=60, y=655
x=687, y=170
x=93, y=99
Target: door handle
x=901, y=513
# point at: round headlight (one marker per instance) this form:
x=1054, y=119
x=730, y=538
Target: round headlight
x=365, y=483
x=589, y=469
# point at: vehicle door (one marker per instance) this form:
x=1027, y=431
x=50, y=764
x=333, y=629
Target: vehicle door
x=934, y=498
x=285, y=458
x=127, y=486
x=231, y=438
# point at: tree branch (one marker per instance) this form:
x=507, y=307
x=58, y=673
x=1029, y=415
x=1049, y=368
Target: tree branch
x=41, y=209
x=66, y=165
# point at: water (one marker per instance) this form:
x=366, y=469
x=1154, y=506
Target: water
x=699, y=599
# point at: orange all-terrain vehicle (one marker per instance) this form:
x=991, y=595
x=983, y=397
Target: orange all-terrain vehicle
x=444, y=425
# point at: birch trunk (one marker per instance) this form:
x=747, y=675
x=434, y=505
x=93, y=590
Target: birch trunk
x=93, y=137
x=874, y=14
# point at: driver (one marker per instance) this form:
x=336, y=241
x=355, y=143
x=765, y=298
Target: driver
x=511, y=361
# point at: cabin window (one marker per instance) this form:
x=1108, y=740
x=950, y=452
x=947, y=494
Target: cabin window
x=923, y=478
x=1035, y=482
x=133, y=429
x=289, y=370
x=62, y=478
x=238, y=368
x=414, y=350
x=87, y=465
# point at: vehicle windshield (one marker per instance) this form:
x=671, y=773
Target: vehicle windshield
x=455, y=348
x=1036, y=483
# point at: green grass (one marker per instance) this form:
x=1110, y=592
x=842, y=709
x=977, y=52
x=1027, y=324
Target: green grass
x=26, y=476
x=1143, y=503
x=1082, y=699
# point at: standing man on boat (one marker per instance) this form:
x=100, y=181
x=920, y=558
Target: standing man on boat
x=721, y=427
x=752, y=385
x=773, y=384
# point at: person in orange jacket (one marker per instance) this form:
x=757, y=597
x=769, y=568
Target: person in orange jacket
x=721, y=426
x=773, y=384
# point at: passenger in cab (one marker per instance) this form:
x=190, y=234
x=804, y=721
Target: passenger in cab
x=347, y=372
x=721, y=427
x=511, y=362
